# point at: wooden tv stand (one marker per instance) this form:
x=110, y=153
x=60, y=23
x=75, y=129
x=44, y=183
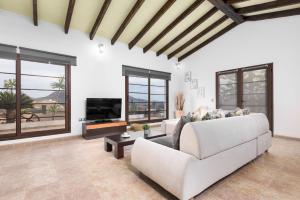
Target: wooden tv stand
x=93, y=130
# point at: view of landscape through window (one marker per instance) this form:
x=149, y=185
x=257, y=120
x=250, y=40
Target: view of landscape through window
x=7, y=97
x=138, y=98
x=42, y=97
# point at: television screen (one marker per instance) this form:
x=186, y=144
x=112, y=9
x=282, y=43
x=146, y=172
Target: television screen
x=103, y=108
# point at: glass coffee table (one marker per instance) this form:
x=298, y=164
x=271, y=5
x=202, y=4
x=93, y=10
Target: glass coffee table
x=116, y=143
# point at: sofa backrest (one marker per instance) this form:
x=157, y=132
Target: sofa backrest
x=206, y=138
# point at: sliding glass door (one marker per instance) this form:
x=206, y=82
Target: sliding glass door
x=249, y=87
x=34, y=99
x=7, y=97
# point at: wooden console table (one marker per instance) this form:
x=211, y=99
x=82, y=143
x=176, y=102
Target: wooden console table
x=98, y=130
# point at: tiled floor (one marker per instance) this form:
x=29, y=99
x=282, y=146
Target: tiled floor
x=80, y=169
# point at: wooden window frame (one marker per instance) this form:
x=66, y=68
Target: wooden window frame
x=19, y=134
x=239, y=74
x=149, y=103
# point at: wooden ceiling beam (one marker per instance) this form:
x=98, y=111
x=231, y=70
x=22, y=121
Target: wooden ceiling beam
x=202, y=19
x=154, y=19
x=35, y=12
x=235, y=1
x=198, y=36
x=284, y=13
x=181, y=17
x=99, y=18
x=225, y=30
x=227, y=10
x=127, y=20
x=69, y=15
x=266, y=6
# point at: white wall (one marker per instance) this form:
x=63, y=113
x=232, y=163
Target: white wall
x=252, y=43
x=97, y=75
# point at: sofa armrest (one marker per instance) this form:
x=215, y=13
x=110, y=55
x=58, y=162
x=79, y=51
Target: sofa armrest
x=168, y=126
x=164, y=165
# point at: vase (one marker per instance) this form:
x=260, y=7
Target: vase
x=146, y=132
x=179, y=113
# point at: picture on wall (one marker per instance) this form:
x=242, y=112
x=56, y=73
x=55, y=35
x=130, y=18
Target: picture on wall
x=188, y=76
x=201, y=92
x=194, y=84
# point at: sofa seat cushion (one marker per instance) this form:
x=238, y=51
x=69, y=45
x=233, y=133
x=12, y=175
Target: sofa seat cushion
x=166, y=141
x=206, y=138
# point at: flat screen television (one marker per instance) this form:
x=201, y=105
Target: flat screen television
x=98, y=109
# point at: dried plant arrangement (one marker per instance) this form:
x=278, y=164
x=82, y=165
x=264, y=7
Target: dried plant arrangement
x=180, y=101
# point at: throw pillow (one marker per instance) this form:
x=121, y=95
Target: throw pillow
x=177, y=131
x=246, y=111
x=216, y=114
x=199, y=113
x=207, y=116
x=238, y=112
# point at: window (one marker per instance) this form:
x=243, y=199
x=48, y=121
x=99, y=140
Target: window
x=7, y=97
x=34, y=96
x=44, y=108
x=146, y=97
x=249, y=87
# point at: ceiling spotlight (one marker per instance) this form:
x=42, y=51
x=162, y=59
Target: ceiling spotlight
x=178, y=66
x=101, y=48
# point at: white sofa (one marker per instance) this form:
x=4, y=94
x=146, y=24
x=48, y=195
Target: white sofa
x=168, y=126
x=209, y=151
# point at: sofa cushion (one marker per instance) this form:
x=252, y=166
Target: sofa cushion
x=206, y=138
x=168, y=126
x=166, y=141
x=180, y=124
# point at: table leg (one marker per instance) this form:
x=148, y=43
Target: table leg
x=107, y=146
x=119, y=151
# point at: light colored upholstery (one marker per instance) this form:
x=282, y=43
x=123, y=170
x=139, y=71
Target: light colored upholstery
x=182, y=174
x=168, y=126
x=165, y=140
x=206, y=138
x=164, y=165
x=206, y=158
x=264, y=142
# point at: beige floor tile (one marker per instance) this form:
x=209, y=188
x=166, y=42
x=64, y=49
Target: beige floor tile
x=81, y=169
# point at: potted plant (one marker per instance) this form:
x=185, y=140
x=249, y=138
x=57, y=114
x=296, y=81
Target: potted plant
x=146, y=129
x=179, y=105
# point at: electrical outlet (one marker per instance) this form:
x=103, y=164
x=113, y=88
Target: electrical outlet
x=81, y=119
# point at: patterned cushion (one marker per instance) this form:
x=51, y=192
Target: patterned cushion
x=216, y=114
x=238, y=112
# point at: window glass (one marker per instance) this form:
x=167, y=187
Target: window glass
x=145, y=107
x=138, y=98
x=43, y=97
x=7, y=97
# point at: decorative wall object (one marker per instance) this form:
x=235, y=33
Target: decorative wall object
x=201, y=92
x=188, y=76
x=194, y=84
